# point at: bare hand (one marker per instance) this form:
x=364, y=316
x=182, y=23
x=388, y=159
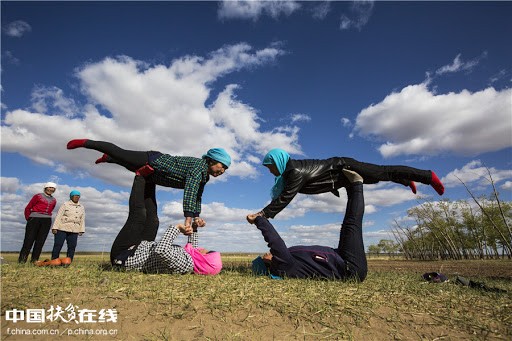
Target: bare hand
x=251, y=218
x=54, y=231
x=186, y=230
x=200, y=222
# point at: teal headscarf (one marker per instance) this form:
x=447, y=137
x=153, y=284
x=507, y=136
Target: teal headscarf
x=279, y=158
x=219, y=155
x=73, y=193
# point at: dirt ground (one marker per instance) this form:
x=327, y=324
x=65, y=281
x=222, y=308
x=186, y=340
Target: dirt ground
x=144, y=318
x=471, y=268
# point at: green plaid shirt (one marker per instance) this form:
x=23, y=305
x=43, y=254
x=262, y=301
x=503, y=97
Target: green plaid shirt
x=188, y=173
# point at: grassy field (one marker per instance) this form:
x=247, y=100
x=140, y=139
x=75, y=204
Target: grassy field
x=394, y=303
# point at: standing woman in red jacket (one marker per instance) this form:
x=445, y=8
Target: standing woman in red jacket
x=38, y=214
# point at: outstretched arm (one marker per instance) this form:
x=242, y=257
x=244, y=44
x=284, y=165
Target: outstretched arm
x=278, y=248
x=293, y=184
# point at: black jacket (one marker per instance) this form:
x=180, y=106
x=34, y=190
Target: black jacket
x=308, y=177
x=321, y=176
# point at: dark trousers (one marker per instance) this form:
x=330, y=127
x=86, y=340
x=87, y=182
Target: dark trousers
x=60, y=237
x=372, y=173
x=351, y=247
x=36, y=232
x=142, y=223
x=130, y=159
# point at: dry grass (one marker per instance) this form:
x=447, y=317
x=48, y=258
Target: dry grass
x=392, y=304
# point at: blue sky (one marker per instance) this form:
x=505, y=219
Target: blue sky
x=423, y=84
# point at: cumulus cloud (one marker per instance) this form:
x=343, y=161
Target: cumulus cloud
x=53, y=100
x=476, y=173
x=358, y=15
x=417, y=121
x=149, y=107
x=17, y=29
x=253, y=10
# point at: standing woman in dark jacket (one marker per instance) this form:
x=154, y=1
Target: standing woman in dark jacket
x=38, y=214
x=322, y=176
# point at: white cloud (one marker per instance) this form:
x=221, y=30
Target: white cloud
x=358, y=16
x=500, y=75
x=459, y=65
x=253, y=10
x=346, y=122
x=507, y=185
x=9, y=57
x=300, y=118
x=151, y=107
x=417, y=121
x=475, y=172
x=321, y=9
x=53, y=97
x=17, y=28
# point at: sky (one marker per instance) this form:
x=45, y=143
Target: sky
x=422, y=84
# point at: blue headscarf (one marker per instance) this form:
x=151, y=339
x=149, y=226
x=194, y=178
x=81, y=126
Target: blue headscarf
x=219, y=155
x=279, y=158
x=260, y=269
x=73, y=193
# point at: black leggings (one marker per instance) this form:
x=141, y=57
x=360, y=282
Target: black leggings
x=142, y=223
x=351, y=246
x=372, y=173
x=130, y=159
x=35, y=234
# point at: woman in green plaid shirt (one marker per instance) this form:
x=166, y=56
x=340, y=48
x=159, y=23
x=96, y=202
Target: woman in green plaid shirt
x=185, y=172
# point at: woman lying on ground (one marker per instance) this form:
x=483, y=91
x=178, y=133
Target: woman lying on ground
x=347, y=261
x=135, y=248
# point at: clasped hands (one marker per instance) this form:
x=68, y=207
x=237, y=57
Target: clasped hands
x=251, y=218
x=191, y=226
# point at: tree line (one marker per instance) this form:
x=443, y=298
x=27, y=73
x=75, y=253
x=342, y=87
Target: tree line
x=465, y=229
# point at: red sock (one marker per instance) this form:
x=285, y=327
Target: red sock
x=144, y=170
x=76, y=143
x=104, y=158
x=437, y=184
x=412, y=185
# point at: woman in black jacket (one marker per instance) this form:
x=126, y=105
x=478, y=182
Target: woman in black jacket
x=322, y=176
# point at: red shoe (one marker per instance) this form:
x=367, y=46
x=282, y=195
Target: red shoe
x=412, y=185
x=73, y=144
x=103, y=158
x=145, y=170
x=437, y=184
